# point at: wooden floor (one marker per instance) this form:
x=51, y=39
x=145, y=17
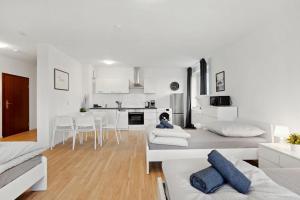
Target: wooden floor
x=111, y=172
x=25, y=136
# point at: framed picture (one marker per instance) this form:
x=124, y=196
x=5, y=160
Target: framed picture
x=61, y=80
x=220, y=81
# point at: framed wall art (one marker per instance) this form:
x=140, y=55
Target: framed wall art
x=61, y=80
x=220, y=81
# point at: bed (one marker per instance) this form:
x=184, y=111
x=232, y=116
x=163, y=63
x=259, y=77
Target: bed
x=203, y=141
x=22, y=167
x=275, y=184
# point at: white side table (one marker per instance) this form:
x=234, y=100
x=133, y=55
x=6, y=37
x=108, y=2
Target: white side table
x=277, y=155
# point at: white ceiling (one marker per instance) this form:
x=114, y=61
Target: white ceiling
x=147, y=33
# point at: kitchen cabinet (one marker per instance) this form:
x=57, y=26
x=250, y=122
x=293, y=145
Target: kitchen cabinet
x=112, y=79
x=123, y=120
x=150, y=117
x=110, y=116
x=112, y=85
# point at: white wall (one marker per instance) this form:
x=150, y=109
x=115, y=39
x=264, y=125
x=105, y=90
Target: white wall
x=87, y=84
x=53, y=102
x=262, y=72
x=25, y=69
x=162, y=77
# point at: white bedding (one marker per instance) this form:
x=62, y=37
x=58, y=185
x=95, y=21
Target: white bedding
x=14, y=153
x=177, y=173
x=287, y=177
x=176, y=136
x=177, y=131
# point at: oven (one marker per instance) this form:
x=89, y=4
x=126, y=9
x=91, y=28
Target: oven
x=135, y=118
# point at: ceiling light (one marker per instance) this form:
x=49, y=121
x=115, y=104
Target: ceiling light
x=108, y=62
x=3, y=45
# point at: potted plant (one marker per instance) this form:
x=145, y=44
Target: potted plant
x=84, y=103
x=82, y=110
x=294, y=140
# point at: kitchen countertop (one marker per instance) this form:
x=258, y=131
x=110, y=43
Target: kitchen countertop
x=122, y=108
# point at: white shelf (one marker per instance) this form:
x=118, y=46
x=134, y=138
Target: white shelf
x=214, y=113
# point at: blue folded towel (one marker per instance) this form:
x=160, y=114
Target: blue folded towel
x=160, y=126
x=166, y=124
x=207, y=180
x=230, y=173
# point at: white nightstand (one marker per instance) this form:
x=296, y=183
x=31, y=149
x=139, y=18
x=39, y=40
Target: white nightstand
x=277, y=155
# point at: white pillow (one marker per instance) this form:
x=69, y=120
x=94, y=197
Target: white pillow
x=234, y=129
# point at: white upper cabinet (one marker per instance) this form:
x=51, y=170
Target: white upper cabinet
x=112, y=80
x=112, y=85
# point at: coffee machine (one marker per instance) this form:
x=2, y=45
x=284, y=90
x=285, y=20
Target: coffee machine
x=152, y=104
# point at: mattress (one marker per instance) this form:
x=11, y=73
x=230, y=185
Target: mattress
x=14, y=153
x=203, y=139
x=177, y=173
x=15, y=149
x=11, y=174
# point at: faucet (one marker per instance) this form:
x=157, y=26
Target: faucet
x=119, y=104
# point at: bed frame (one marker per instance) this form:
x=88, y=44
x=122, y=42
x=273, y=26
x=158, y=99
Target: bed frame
x=240, y=153
x=34, y=179
x=161, y=192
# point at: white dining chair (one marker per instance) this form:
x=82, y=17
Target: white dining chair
x=63, y=125
x=84, y=124
x=100, y=119
x=107, y=126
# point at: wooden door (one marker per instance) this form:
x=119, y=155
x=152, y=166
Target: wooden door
x=15, y=104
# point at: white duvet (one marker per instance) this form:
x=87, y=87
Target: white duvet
x=14, y=153
x=177, y=173
x=176, y=136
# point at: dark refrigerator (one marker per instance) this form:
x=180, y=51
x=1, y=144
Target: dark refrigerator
x=176, y=104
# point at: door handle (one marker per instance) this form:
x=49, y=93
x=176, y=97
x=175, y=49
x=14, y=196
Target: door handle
x=7, y=103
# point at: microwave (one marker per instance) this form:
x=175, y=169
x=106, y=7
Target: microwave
x=220, y=101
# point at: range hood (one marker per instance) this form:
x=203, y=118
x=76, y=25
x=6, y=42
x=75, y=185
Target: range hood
x=137, y=79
